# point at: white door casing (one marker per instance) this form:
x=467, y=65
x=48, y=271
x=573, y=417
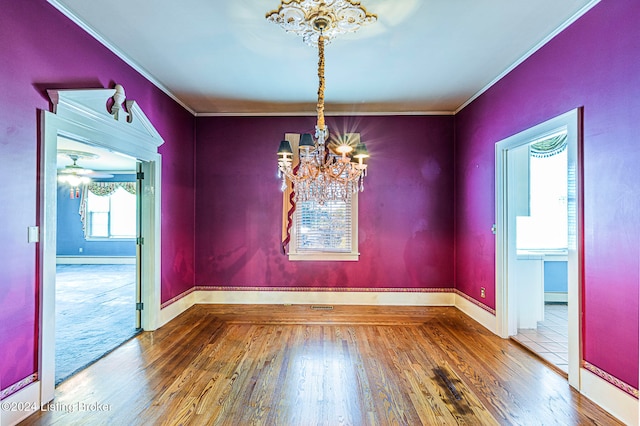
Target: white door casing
x=84, y=116
x=505, y=237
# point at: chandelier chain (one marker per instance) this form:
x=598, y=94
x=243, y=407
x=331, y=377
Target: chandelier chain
x=317, y=171
x=321, y=86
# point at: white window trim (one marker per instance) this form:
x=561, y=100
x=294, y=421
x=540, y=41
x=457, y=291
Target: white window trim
x=354, y=255
x=109, y=237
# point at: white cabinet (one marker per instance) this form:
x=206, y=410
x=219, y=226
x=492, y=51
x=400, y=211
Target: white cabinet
x=530, y=288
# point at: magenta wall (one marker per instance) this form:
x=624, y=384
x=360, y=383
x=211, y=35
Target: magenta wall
x=405, y=212
x=41, y=49
x=595, y=63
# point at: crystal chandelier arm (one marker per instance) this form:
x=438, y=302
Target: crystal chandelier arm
x=338, y=174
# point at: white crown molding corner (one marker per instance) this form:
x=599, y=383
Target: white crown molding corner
x=533, y=50
x=119, y=53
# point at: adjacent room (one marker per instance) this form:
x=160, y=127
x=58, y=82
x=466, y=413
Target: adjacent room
x=319, y=212
x=96, y=277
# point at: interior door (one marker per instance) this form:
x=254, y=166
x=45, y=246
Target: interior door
x=139, y=243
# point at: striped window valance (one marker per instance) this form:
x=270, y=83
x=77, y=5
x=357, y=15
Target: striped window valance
x=550, y=146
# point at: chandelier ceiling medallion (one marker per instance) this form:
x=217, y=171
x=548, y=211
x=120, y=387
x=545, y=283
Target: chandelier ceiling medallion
x=333, y=170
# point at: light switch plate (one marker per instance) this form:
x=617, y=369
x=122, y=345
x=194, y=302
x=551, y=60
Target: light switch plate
x=34, y=234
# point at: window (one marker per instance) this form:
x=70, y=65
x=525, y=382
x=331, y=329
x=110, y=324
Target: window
x=112, y=215
x=546, y=225
x=326, y=231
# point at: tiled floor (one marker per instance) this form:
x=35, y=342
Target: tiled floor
x=550, y=339
x=95, y=313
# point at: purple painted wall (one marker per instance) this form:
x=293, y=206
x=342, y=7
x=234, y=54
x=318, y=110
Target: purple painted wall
x=594, y=63
x=405, y=212
x=41, y=49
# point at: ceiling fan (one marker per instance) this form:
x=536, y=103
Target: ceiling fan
x=75, y=175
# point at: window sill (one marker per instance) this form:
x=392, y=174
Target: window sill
x=104, y=239
x=324, y=256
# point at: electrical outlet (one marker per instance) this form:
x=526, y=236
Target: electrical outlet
x=80, y=249
x=483, y=294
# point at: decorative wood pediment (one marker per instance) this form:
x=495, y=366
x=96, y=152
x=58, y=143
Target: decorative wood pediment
x=108, y=111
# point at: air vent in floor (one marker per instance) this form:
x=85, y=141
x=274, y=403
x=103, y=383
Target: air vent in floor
x=322, y=307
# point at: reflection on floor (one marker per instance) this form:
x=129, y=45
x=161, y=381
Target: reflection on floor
x=95, y=313
x=550, y=339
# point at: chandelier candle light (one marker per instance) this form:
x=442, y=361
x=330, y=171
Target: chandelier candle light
x=325, y=171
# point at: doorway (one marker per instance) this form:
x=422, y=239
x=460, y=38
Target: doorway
x=97, y=285
x=521, y=255
x=539, y=264
x=80, y=115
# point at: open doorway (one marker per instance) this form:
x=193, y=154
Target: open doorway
x=539, y=270
x=97, y=285
x=102, y=118
x=538, y=223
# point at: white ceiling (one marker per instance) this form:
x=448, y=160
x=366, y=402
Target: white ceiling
x=103, y=160
x=421, y=56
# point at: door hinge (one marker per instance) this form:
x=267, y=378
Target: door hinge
x=140, y=175
x=139, y=306
x=140, y=240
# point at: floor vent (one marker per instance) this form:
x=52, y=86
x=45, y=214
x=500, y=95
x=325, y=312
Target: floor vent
x=322, y=307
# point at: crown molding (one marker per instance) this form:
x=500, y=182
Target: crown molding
x=119, y=53
x=533, y=50
x=379, y=110
x=327, y=114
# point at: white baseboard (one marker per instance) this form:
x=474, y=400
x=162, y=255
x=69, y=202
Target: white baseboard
x=20, y=405
x=304, y=297
x=95, y=260
x=176, y=308
x=556, y=297
x=326, y=297
x=478, y=314
x=617, y=402
x=481, y=316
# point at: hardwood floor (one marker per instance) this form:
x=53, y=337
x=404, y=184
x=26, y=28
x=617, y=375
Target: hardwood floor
x=294, y=365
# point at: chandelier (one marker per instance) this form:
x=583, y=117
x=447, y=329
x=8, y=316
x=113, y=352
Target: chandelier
x=325, y=170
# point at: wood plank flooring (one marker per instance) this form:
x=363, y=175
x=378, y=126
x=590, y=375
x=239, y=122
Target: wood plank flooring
x=294, y=365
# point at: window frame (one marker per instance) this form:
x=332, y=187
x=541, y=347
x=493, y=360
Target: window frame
x=320, y=255
x=109, y=236
x=292, y=251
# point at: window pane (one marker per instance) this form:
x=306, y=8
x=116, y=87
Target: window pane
x=546, y=227
x=97, y=203
x=99, y=224
x=323, y=227
x=123, y=214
